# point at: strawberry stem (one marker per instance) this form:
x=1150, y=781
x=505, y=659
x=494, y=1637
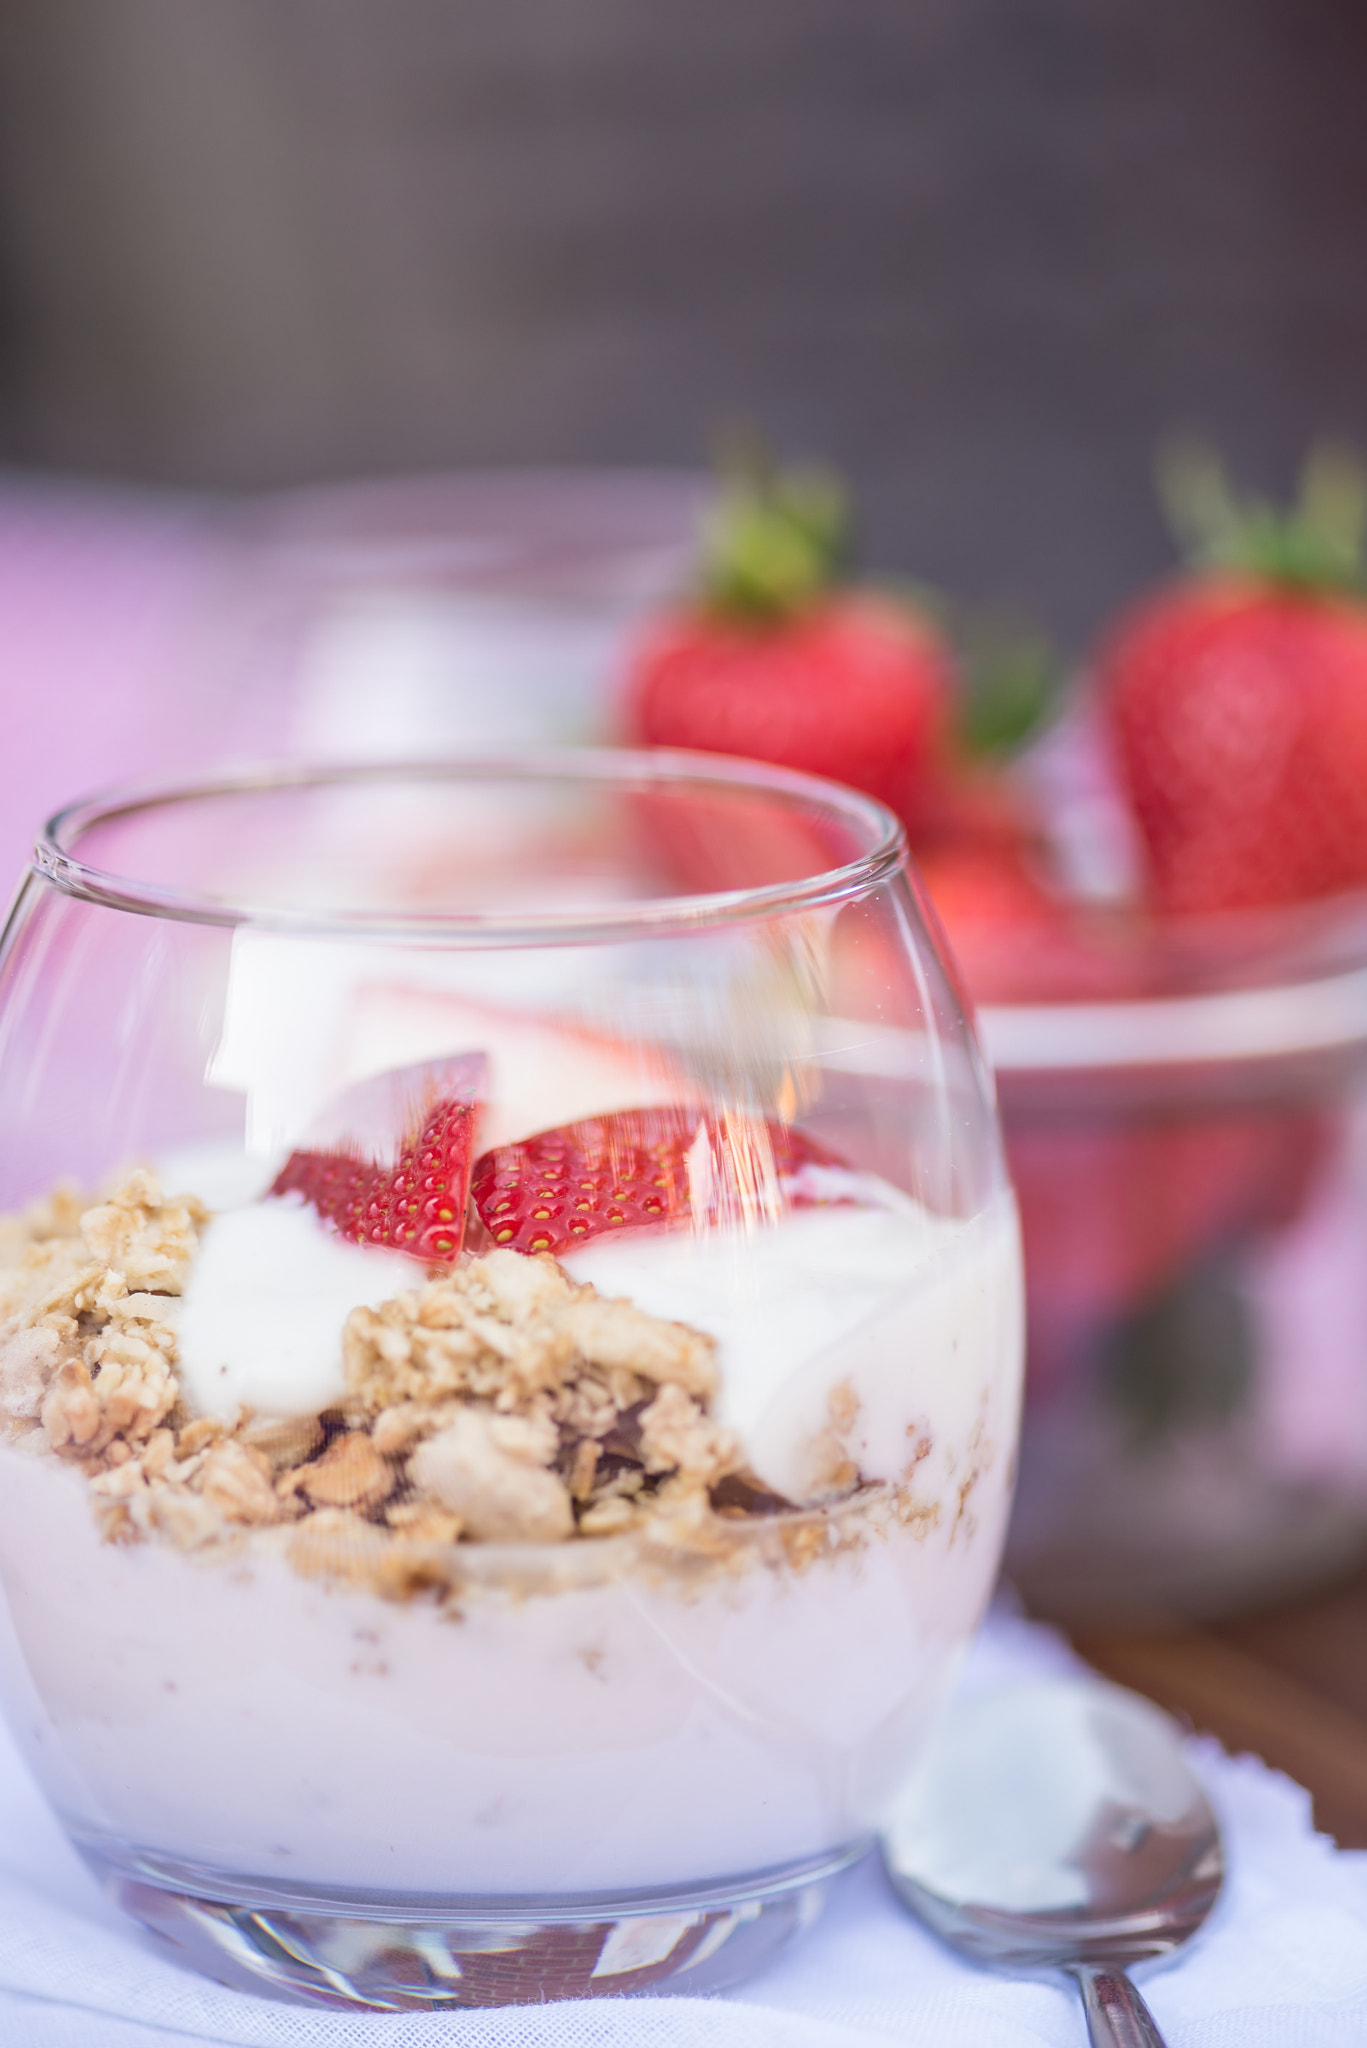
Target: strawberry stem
x=1013, y=682
x=775, y=540
x=1317, y=544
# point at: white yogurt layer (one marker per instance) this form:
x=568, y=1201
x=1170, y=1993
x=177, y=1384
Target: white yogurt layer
x=261, y=1319
x=618, y=1734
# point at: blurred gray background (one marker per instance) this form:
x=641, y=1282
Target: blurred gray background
x=980, y=252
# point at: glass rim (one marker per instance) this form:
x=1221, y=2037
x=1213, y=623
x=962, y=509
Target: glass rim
x=55, y=861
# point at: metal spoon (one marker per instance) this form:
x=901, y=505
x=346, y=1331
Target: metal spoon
x=1056, y=1825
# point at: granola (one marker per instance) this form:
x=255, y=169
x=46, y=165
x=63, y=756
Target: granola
x=495, y=1402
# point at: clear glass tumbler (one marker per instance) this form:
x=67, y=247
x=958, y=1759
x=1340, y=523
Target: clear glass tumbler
x=510, y=1341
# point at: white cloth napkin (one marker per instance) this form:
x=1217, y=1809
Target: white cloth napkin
x=1282, y=1963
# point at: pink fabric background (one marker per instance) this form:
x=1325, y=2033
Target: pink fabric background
x=118, y=617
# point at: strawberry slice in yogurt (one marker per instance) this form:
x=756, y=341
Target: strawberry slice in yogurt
x=415, y=1201
x=640, y=1169
x=383, y=1186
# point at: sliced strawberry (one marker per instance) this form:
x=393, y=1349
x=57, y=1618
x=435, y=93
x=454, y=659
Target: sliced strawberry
x=642, y=1168
x=417, y=1202
x=543, y=1068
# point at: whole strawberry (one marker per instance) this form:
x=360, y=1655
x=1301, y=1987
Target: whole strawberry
x=1237, y=699
x=777, y=659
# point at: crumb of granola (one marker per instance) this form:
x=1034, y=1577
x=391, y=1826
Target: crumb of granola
x=616, y=1335
x=396, y=1430
x=405, y=1571
x=832, y=1472
x=842, y=1405
x=160, y=1452
x=488, y=1473
x=491, y=1329
x=610, y=1517
x=87, y=1315
x=184, y=1518
x=676, y=1436
x=28, y=1359
x=285, y=1440
x=582, y=1469
x=350, y=1474
x=424, y=1522
x=57, y=1214
x=804, y=1540
x=146, y=1238
x=237, y=1481
x=199, y=1434
x=334, y=1543
x=833, y=1469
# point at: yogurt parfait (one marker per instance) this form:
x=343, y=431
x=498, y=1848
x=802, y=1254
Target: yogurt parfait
x=508, y=1419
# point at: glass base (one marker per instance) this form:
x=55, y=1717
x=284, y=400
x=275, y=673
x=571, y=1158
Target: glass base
x=423, y=1954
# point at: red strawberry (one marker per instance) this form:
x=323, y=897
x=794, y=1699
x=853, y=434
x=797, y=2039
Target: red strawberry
x=776, y=661
x=1014, y=939
x=1114, y=1209
x=1237, y=699
x=1003, y=926
x=417, y=1203
x=640, y=1168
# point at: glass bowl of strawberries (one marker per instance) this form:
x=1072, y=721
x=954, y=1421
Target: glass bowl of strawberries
x=1182, y=1070
x=510, y=1349
x=1188, y=1159
x=1157, y=902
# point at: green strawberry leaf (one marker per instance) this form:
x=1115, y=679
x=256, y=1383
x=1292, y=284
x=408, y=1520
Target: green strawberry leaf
x=1013, y=683
x=1317, y=544
x=775, y=539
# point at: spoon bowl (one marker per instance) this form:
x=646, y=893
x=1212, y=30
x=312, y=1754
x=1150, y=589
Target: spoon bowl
x=1057, y=1825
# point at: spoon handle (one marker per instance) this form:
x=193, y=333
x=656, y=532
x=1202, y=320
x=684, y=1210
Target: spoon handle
x=1117, y=2016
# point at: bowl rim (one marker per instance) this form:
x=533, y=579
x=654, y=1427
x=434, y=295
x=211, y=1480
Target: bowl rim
x=1281, y=1019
